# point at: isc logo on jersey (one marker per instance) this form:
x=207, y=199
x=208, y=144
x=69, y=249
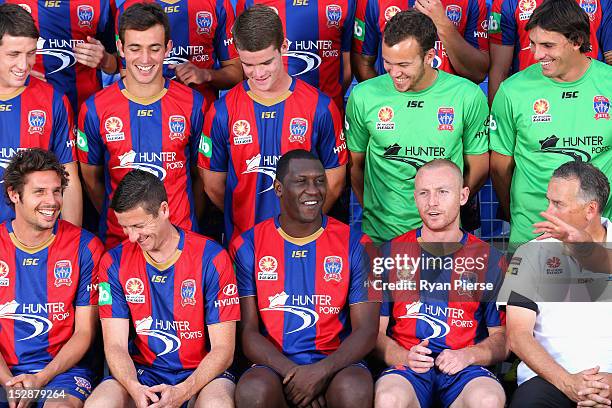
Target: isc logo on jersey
x=267, y=269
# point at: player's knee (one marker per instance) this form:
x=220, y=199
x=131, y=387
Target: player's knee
x=386, y=399
x=256, y=391
x=487, y=399
x=353, y=389
x=216, y=401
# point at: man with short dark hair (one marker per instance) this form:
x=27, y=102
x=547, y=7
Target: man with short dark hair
x=555, y=306
x=550, y=113
x=438, y=341
x=307, y=318
x=32, y=113
x=269, y=114
x=397, y=122
x=177, y=291
x=48, y=288
x=144, y=121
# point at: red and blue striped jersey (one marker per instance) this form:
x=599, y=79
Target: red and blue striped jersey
x=160, y=135
x=35, y=116
x=468, y=16
x=200, y=32
x=245, y=136
x=62, y=25
x=509, y=18
x=170, y=304
x=304, y=286
x=318, y=31
x=40, y=287
x=439, y=297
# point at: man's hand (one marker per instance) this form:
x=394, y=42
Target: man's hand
x=556, y=228
x=434, y=10
x=572, y=384
x=595, y=395
x=171, y=396
x=90, y=53
x=418, y=358
x=142, y=395
x=33, y=381
x=305, y=383
x=189, y=74
x=12, y=402
x=452, y=361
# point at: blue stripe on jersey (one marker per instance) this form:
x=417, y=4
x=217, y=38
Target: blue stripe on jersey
x=299, y=274
x=162, y=310
x=119, y=305
x=32, y=296
x=11, y=141
x=267, y=204
x=307, y=15
x=210, y=282
x=141, y=130
x=180, y=33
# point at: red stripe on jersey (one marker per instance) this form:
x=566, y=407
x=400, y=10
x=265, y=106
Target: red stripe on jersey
x=7, y=294
x=138, y=311
x=329, y=325
x=227, y=292
x=203, y=160
x=32, y=133
x=72, y=130
x=270, y=250
x=295, y=111
x=229, y=23
x=192, y=349
x=180, y=207
x=330, y=76
x=59, y=290
x=198, y=37
x=244, y=212
x=360, y=12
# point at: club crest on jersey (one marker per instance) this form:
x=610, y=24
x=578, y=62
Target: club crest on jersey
x=188, y=291
x=204, y=21
x=385, y=116
x=391, y=11
x=242, y=132
x=446, y=117
x=267, y=268
x=62, y=272
x=85, y=14
x=297, y=130
x=601, y=104
x=82, y=383
x=332, y=266
x=540, y=108
x=114, y=127
x=526, y=7
x=469, y=280
x=134, y=288
x=176, y=124
x=37, y=120
x=334, y=15
x=4, y=271
x=453, y=12
x=589, y=7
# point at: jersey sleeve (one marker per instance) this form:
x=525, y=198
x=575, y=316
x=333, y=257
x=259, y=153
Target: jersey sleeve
x=358, y=290
x=90, y=252
x=220, y=290
x=197, y=123
x=90, y=148
x=520, y=276
x=111, y=301
x=106, y=27
x=241, y=251
x=242, y=5
x=475, y=132
x=357, y=135
x=604, y=32
x=223, y=40
x=213, y=150
x=348, y=27
x=476, y=29
x=331, y=146
x=367, y=35
x=62, y=139
x=502, y=23
x=502, y=129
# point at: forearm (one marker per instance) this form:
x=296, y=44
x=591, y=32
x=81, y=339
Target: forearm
x=260, y=350
x=490, y=351
x=353, y=349
x=357, y=182
x=476, y=172
x=333, y=193
x=72, y=210
x=121, y=366
x=95, y=191
x=466, y=60
x=363, y=67
x=215, y=362
x=496, y=77
x=501, y=183
x=592, y=256
x=390, y=351
x=5, y=372
x=109, y=63
x=69, y=355
x=225, y=77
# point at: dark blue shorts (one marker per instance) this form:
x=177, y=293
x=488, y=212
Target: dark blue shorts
x=433, y=382
x=76, y=382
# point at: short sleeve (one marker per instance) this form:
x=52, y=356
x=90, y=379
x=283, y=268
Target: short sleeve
x=90, y=253
x=348, y=27
x=223, y=41
x=475, y=131
x=220, y=290
x=502, y=130
x=62, y=138
x=243, y=256
x=357, y=134
x=213, y=150
x=331, y=146
x=90, y=148
x=111, y=301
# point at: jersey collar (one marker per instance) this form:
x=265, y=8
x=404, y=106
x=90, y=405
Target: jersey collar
x=300, y=241
x=143, y=101
x=31, y=249
x=172, y=260
x=269, y=101
x=436, y=251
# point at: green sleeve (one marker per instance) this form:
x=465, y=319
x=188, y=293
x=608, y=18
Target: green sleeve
x=475, y=135
x=357, y=135
x=502, y=126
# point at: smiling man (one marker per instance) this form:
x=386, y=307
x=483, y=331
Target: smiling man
x=177, y=291
x=141, y=122
x=552, y=112
x=307, y=319
x=397, y=122
x=260, y=119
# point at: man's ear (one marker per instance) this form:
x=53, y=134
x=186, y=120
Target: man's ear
x=13, y=195
x=278, y=188
x=120, y=48
x=464, y=195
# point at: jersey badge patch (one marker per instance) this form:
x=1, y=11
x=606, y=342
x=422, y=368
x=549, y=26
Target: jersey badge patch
x=589, y=7
x=454, y=12
x=385, y=117
x=114, y=127
x=526, y=7
x=267, y=268
x=446, y=117
x=332, y=266
x=85, y=14
x=188, y=291
x=134, y=288
x=297, y=130
x=4, y=271
x=601, y=104
x=540, y=108
x=62, y=272
x=204, y=21
x=37, y=120
x=333, y=12
x=242, y=132
x=176, y=124
x=391, y=11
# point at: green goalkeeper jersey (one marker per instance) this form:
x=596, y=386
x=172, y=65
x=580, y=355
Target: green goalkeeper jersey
x=543, y=124
x=401, y=131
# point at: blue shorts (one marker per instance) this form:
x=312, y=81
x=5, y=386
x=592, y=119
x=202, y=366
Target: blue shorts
x=75, y=381
x=434, y=382
x=151, y=376
x=361, y=364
